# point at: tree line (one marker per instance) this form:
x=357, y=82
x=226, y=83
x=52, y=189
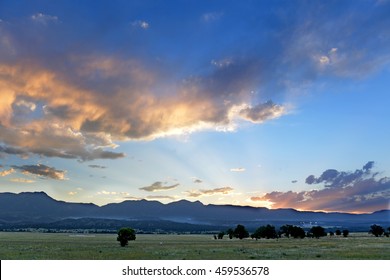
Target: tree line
x=269, y=232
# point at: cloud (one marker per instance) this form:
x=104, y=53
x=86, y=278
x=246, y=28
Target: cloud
x=12, y=151
x=262, y=112
x=72, y=193
x=78, y=104
x=74, y=117
x=358, y=191
x=43, y=19
x=6, y=172
x=198, y=193
x=197, y=180
x=161, y=197
x=22, y=180
x=333, y=178
x=42, y=171
x=212, y=16
x=97, y=166
x=140, y=24
x=158, y=186
x=240, y=169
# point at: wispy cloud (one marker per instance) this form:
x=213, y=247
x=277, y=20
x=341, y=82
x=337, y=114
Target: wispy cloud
x=343, y=191
x=198, y=193
x=159, y=186
x=22, y=180
x=211, y=16
x=140, y=24
x=43, y=18
x=163, y=197
x=239, y=169
x=97, y=166
x=6, y=172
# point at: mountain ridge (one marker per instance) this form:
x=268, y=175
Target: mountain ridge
x=33, y=208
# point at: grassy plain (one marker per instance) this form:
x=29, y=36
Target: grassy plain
x=61, y=246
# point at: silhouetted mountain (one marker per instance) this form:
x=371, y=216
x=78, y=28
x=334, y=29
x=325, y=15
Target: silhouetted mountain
x=38, y=209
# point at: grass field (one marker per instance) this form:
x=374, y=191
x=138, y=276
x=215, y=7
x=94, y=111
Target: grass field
x=60, y=246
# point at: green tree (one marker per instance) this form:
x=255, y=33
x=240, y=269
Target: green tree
x=317, y=231
x=338, y=232
x=125, y=235
x=345, y=232
x=376, y=230
x=267, y=231
x=240, y=232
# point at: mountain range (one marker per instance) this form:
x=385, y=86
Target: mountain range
x=37, y=209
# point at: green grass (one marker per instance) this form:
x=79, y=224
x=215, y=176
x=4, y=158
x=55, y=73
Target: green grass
x=60, y=246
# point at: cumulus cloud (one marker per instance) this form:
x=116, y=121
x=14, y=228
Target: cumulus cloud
x=159, y=186
x=74, y=117
x=77, y=105
x=198, y=193
x=335, y=179
x=41, y=170
x=358, y=191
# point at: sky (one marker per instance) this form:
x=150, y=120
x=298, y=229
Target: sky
x=278, y=104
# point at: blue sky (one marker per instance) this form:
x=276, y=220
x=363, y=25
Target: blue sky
x=263, y=103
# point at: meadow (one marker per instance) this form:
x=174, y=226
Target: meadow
x=62, y=246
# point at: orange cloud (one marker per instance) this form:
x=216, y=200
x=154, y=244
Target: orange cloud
x=81, y=113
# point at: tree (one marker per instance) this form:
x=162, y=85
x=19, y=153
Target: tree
x=345, y=232
x=240, y=232
x=294, y=231
x=221, y=234
x=317, y=231
x=125, y=235
x=376, y=230
x=230, y=232
x=338, y=232
x=331, y=233
x=267, y=231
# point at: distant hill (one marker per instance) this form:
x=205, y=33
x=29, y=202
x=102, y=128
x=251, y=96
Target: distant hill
x=37, y=209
